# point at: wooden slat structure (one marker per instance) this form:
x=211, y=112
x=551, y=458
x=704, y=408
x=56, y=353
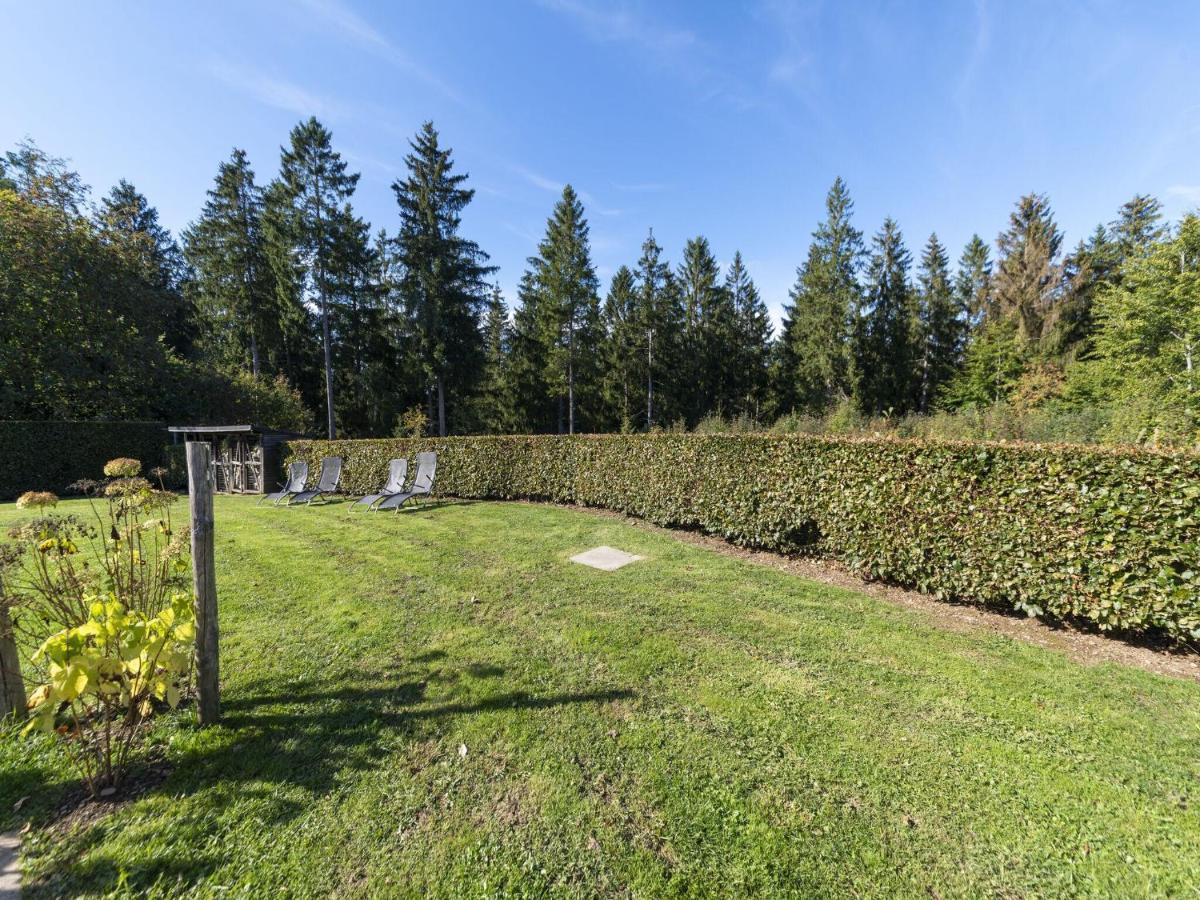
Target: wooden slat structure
x=245, y=458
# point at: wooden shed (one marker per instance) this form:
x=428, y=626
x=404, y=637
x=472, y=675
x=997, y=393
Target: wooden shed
x=246, y=458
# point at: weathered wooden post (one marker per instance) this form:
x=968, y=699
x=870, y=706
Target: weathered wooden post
x=12, y=688
x=204, y=577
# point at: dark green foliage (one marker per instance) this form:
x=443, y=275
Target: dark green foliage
x=943, y=324
x=812, y=369
x=655, y=328
x=49, y=456
x=1110, y=537
x=622, y=351
x=442, y=277
x=495, y=413
x=559, y=326
x=887, y=331
x=708, y=380
x=129, y=224
x=316, y=225
x=748, y=358
x=86, y=306
x=973, y=282
x=234, y=294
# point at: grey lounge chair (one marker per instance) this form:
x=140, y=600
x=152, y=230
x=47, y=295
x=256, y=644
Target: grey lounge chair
x=397, y=472
x=297, y=476
x=331, y=474
x=422, y=483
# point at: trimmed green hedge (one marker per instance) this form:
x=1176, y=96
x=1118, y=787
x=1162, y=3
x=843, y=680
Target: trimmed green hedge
x=48, y=456
x=1109, y=536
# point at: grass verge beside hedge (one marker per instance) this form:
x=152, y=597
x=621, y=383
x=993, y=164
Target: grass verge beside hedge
x=48, y=456
x=1107, y=536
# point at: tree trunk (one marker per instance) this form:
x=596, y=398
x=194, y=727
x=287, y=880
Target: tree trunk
x=12, y=687
x=571, y=379
x=650, y=379
x=441, y=407
x=328, y=365
x=254, y=357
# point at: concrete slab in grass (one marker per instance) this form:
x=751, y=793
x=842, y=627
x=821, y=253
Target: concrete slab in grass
x=606, y=559
x=10, y=866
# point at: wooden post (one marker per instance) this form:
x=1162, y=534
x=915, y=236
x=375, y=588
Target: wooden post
x=12, y=688
x=204, y=577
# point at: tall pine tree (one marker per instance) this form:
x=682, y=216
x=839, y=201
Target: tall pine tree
x=750, y=353
x=316, y=189
x=232, y=285
x=562, y=321
x=709, y=333
x=659, y=319
x=813, y=371
x=443, y=278
x=622, y=350
x=943, y=323
x=886, y=346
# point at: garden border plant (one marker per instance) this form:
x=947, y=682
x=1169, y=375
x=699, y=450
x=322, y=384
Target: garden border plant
x=1107, y=536
x=108, y=609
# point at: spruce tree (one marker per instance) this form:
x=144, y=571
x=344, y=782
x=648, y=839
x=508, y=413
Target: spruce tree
x=567, y=318
x=659, y=319
x=750, y=355
x=1138, y=227
x=231, y=283
x=316, y=188
x=1028, y=280
x=814, y=368
x=528, y=366
x=444, y=275
x=1087, y=270
x=943, y=323
x=973, y=283
x=622, y=356
x=129, y=224
x=495, y=396
x=709, y=331
x=886, y=346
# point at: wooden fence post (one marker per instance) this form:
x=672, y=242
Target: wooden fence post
x=12, y=688
x=204, y=576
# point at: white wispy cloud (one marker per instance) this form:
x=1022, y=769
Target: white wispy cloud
x=273, y=91
x=357, y=29
x=980, y=45
x=612, y=23
x=555, y=186
x=550, y=185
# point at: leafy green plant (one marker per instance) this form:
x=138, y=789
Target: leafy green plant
x=108, y=608
x=1109, y=536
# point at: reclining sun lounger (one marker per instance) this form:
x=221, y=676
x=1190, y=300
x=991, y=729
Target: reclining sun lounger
x=297, y=476
x=397, y=472
x=331, y=474
x=422, y=484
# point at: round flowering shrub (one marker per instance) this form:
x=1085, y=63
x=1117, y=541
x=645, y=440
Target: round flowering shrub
x=122, y=467
x=36, y=500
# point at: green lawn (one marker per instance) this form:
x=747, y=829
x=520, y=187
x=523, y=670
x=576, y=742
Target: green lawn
x=690, y=725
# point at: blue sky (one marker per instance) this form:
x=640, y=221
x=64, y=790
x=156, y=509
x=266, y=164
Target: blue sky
x=725, y=119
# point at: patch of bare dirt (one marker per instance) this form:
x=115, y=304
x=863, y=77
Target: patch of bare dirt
x=1086, y=647
x=79, y=810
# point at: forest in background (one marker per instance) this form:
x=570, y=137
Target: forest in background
x=279, y=304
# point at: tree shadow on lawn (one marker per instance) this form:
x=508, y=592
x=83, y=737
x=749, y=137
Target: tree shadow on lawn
x=278, y=751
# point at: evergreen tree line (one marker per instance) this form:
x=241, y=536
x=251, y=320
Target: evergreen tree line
x=280, y=304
